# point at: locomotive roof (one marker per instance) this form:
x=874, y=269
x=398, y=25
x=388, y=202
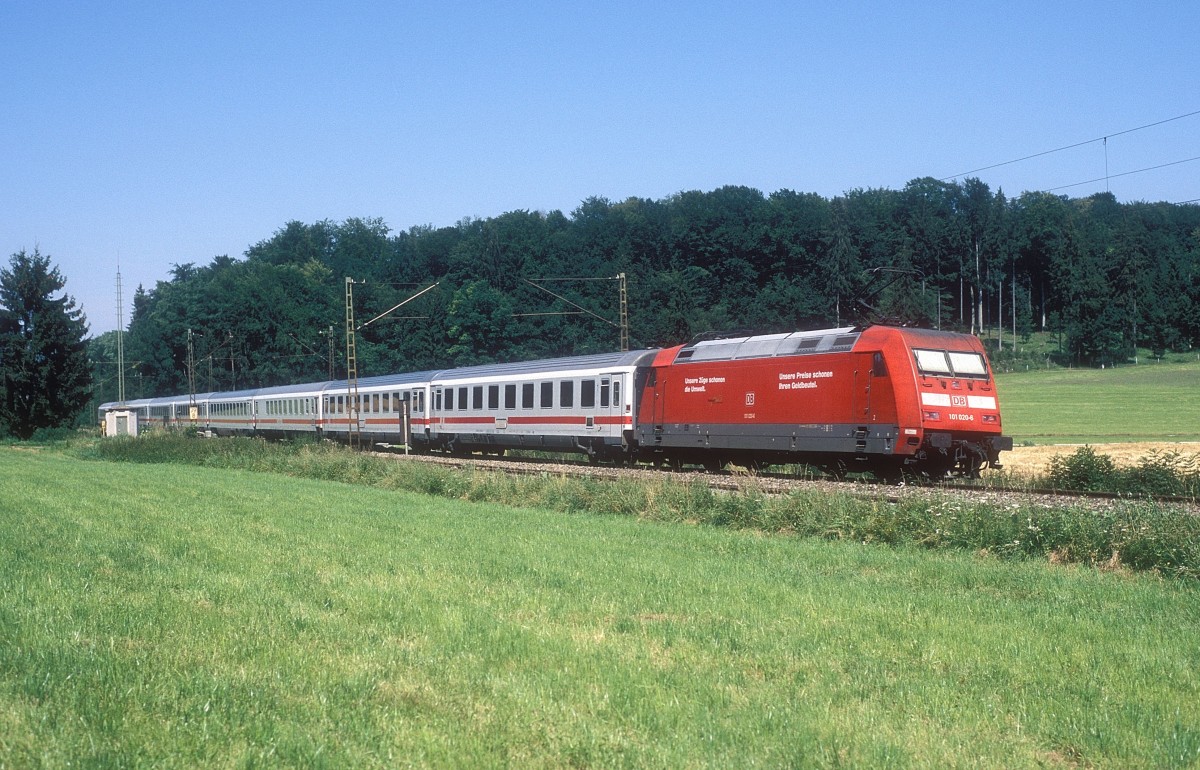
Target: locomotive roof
x=769, y=345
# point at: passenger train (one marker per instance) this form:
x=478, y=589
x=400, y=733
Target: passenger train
x=884, y=399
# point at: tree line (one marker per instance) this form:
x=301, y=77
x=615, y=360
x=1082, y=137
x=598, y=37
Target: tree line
x=1108, y=277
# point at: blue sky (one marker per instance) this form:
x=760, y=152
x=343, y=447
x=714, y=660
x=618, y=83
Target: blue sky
x=165, y=133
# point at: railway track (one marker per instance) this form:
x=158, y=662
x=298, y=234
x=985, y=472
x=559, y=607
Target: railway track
x=778, y=483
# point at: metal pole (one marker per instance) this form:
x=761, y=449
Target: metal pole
x=352, y=411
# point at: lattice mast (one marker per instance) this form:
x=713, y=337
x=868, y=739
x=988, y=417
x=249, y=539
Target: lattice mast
x=120, y=341
x=352, y=411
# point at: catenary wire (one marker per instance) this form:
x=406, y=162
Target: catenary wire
x=1124, y=173
x=1070, y=147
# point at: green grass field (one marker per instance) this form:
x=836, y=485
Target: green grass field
x=173, y=616
x=1148, y=402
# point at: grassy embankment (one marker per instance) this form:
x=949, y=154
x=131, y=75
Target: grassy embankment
x=1135, y=534
x=175, y=616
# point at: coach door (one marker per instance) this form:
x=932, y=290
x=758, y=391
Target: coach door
x=611, y=409
x=435, y=413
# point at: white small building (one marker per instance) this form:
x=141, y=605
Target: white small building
x=121, y=422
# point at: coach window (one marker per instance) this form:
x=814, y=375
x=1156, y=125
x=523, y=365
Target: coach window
x=341, y=405
x=587, y=394
x=527, y=395
x=462, y=399
x=566, y=393
x=477, y=397
x=547, y=395
x=617, y=392
x=437, y=400
x=603, y=392
x=510, y=397
x=493, y=397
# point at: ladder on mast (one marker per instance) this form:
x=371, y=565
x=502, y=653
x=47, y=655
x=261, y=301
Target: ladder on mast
x=353, y=434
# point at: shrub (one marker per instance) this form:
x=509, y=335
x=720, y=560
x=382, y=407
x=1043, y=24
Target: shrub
x=1084, y=470
x=1161, y=474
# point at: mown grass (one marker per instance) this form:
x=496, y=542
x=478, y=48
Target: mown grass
x=175, y=616
x=1133, y=534
x=1147, y=402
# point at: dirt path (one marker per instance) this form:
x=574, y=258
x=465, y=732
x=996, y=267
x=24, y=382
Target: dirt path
x=1036, y=459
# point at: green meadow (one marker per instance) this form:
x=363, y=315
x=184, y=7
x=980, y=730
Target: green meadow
x=1146, y=402
x=180, y=616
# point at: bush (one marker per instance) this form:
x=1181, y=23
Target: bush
x=1160, y=474
x=1084, y=470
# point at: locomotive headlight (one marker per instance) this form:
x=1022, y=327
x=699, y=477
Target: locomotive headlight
x=991, y=418
x=932, y=415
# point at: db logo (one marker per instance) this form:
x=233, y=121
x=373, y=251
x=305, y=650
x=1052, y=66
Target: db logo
x=750, y=399
x=958, y=401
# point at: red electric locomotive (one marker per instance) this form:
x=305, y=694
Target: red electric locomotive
x=883, y=399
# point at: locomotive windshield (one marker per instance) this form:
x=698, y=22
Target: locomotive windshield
x=950, y=363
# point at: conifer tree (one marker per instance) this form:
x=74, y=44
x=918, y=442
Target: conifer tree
x=44, y=372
